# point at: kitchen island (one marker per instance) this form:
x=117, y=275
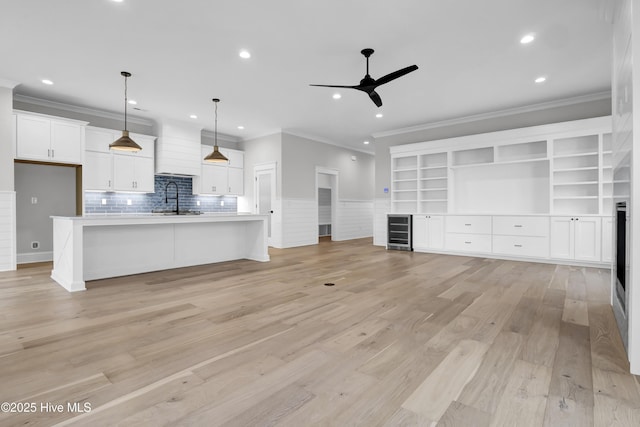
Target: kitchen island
x=102, y=246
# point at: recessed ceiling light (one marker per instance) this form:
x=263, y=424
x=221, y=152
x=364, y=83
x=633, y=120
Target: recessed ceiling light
x=118, y=1
x=366, y=142
x=541, y=79
x=379, y=115
x=527, y=39
x=133, y=102
x=244, y=54
x=193, y=116
x=337, y=96
x=240, y=127
x=47, y=82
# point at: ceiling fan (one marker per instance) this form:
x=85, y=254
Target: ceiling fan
x=368, y=84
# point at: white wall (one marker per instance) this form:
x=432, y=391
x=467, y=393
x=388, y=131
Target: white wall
x=54, y=188
x=297, y=159
x=7, y=193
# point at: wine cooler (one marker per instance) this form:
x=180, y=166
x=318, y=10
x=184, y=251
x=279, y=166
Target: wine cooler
x=399, y=232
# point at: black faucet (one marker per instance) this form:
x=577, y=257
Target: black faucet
x=176, y=198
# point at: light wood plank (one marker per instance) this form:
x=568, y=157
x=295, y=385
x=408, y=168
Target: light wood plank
x=443, y=386
x=525, y=397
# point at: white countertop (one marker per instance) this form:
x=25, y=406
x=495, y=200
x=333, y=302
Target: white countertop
x=124, y=219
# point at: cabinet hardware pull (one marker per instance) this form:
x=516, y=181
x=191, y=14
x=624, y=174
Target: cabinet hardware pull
x=468, y=243
x=53, y=153
x=468, y=225
x=109, y=184
x=518, y=246
x=518, y=226
x=48, y=152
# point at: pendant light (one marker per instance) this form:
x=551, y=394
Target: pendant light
x=216, y=156
x=124, y=143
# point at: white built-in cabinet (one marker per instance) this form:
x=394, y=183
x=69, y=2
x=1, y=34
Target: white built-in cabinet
x=544, y=192
x=576, y=238
x=48, y=139
x=221, y=179
x=105, y=170
x=428, y=232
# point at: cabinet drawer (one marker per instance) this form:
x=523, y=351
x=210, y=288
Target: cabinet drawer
x=521, y=225
x=526, y=246
x=470, y=224
x=468, y=242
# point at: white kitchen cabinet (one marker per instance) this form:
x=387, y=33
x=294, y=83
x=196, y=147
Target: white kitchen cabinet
x=97, y=171
x=236, y=158
x=42, y=138
x=428, y=232
x=235, y=181
x=221, y=178
x=607, y=239
x=213, y=180
x=576, y=238
x=106, y=170
x=131, y=173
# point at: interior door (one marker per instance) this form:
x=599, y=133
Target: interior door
x=266, y=196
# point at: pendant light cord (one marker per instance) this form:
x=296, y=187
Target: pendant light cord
x=125, y=102
x=216, y=126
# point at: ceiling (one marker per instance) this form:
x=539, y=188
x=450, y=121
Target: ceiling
x=183, y=53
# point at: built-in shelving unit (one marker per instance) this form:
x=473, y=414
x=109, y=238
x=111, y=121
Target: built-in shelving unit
x=558, y=169
x=576, y=174
x=433, y=183
x=405, y=184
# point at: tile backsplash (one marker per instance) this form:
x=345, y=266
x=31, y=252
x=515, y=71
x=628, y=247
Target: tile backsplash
x=127, y=203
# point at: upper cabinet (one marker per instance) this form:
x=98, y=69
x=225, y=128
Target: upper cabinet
x=49, y=139
x=222, y=178
x=105, y=170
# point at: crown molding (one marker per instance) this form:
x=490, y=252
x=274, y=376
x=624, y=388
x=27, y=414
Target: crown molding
x=221, y=136
x=9, y=84
x=325, y=141
x=496, y=114
x=82, y=110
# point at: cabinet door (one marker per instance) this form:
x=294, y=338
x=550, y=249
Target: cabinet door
x=99, y=139
x=607, y=239
x=214, y=179
x=97, y=171
x=235, y=177
x=144, y=175
x=124, y=176
x=236, y=158
x=33, y=138
x=587, y=238
x=420, y=232
x=562, y=237
x=66, y=142
x=435, y=234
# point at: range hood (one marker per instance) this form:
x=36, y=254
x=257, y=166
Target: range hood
x=178, y=149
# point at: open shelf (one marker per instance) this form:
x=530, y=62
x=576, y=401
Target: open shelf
x=536, y=150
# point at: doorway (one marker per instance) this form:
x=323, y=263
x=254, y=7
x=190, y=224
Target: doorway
x=265, y=195
x=43, y=190
x=327, y=202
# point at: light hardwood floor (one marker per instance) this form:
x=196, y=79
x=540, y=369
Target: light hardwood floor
x=401, y=339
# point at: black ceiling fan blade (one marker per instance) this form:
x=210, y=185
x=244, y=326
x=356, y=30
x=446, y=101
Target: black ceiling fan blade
x=375, y=98
x=346, y=87
x=392, y=76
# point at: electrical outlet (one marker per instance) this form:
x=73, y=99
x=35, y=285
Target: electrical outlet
x=34, y=200
x=128, y=202
x=35, y=245
x=221, y=202
x=103, y=201
x=197, y=202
